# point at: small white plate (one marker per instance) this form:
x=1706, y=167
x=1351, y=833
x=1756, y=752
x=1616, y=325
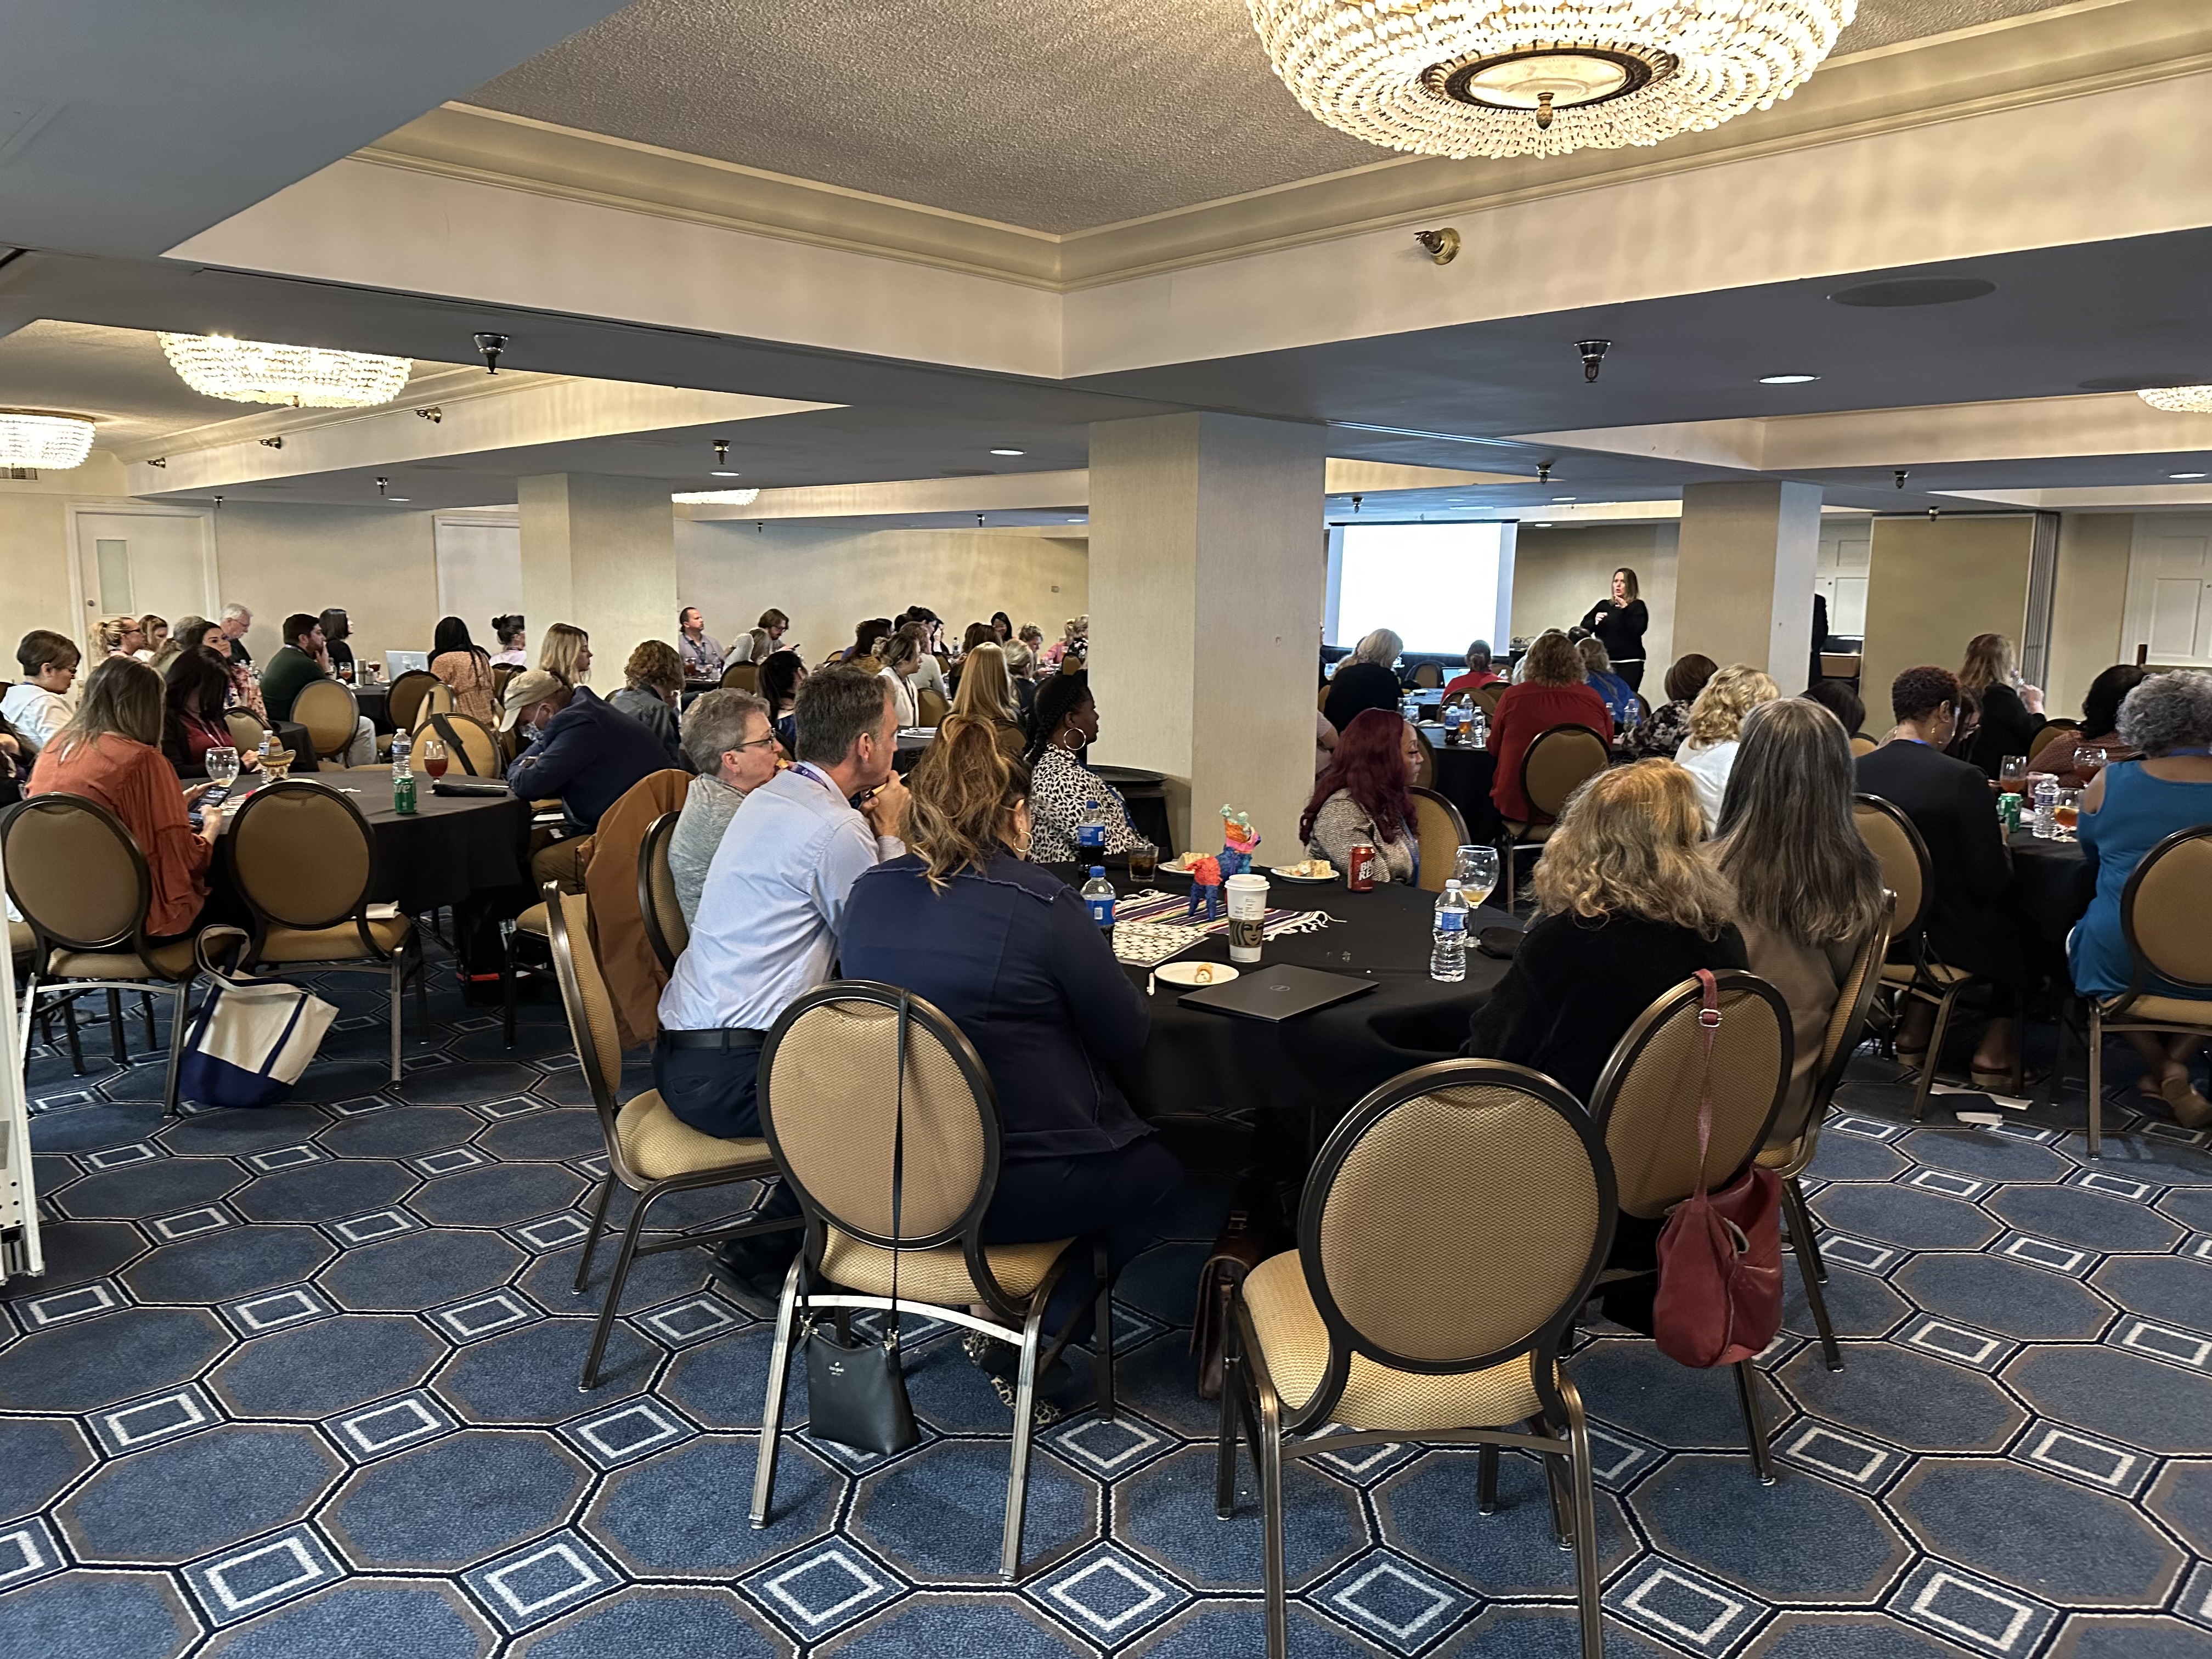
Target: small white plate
x=1173, y=870
x=1310, y=881
x=1185, y=973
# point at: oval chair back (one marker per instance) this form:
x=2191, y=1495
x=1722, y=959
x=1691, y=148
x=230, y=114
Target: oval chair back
x=590, y=1010
x=245, y=729
x=1646, y=1099
x=1559, y=762
x=741, y=677
x=327, y=709
x=1486, y=699
x=437, y=699
x=302, y=856
x=1428, y=676
x=666, y=929
x=1439, y=831
x=404, y=700
x=1862, y=745
x=1903, y=855
x=2165, y=916
x=473, y=745
x=930, y=707
x=1846, y=1028
x=501, y=672
x=75, y=874
x=1424, y=767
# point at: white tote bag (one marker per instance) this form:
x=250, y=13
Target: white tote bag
x=251, y=1039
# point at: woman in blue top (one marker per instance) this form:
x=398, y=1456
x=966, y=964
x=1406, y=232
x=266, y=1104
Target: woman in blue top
x=1008, y=951
x=2128, y=809
x=1620, y=699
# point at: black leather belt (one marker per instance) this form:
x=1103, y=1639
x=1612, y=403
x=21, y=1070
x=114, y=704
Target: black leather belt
x=724, y=1038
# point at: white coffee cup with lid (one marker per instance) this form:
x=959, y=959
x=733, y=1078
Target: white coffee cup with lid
x=1248, y=914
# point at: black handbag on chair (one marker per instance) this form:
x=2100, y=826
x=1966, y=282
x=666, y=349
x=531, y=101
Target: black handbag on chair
x=856, y=1391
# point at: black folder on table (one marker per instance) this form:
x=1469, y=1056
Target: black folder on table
x=1276, y=992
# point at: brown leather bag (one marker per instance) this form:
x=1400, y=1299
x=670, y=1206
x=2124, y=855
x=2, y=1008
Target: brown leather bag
x=1235, y=1254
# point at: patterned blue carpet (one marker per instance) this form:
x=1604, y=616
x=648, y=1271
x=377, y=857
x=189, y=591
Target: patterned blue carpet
x=301, y=1383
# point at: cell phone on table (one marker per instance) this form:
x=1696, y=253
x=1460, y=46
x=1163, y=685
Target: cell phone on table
x=215, y=797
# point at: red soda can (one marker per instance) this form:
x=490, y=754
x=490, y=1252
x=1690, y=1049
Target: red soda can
x=1361, y=876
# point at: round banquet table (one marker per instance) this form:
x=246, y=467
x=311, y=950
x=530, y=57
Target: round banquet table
x=452, y=846
x=2052, y=883
x=1203, y=1065
x=1463, y=778
x=374, y=701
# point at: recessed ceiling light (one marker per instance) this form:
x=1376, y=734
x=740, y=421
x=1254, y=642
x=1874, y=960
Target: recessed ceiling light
x=1005, y=451
x=398, y=498
x=1563, y=498
x=1080, y=521
x=1786, y=380
x=2184, y=475
x=1545, y=524
x=725, y=475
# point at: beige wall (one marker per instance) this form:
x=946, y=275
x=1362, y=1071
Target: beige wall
x=1932, y=586
x=2088, y=605
x=1559, y=574
x=380, y=566
x=1744, y=575
x=828, y=577
x=599, y=553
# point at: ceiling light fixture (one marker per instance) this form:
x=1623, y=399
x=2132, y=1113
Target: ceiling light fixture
x=305, y=377
x=1563, y=498
x=715, y=497
x=1007, y=452
x=2180, y=399
x=2184, y=476
x=725, y=475
x=1540, y=77
x=32, y=437
x=1787, y=380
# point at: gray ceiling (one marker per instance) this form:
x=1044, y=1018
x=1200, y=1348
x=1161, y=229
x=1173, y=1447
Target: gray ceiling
x=1032, y=113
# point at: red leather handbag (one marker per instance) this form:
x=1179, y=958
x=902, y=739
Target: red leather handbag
x=1720, y=1254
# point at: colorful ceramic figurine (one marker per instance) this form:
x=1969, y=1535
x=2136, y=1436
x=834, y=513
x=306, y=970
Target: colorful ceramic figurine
x=1206, y=889
x=1238, y=839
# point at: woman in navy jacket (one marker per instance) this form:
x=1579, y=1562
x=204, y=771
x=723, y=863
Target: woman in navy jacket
x=1008, y=951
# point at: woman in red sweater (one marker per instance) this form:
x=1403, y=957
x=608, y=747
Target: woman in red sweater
x=1553, y=692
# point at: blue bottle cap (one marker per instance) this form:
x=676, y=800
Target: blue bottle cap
x=1097, y=869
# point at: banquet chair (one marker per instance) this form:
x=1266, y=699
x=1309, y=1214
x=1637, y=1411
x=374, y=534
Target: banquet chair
x=501, y=672
x=304, y=860
x=930, y=707
x=1912, y=971
x=1645, y=1105
x=327, y=709
x=666, y=929
x=2167, y=924
x=1486, y=699
x=1439, y=832
x=1424, y=769
x=741, y=677
x=650, y=1151
x=437, y=699
x=404, y=697
x=1862, y=744
x=1789, y=1151
x=1428, y=676
x=885, y=1126
x=1453, y=1224
x=83, y=886
x=245, y=729
x=1560, y=762
x=1321, y=697
x=473, y=745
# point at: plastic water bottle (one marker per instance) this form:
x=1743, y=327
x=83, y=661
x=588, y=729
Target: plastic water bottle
x=1090, y=834
x=1099, y=894
x=1448, y=954
x=1477, y=729
x=2046, y=809
x=400, y=744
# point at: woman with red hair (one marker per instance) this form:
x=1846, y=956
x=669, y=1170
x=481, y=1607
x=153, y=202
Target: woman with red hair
x=1366, y=795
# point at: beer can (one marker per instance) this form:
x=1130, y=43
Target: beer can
x=1361, y=876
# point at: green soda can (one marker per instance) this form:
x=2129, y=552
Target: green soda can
x=2008, y=810
x=403, y=795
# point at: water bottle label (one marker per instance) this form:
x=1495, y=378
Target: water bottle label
x=1102, y=912
x=1451, y=921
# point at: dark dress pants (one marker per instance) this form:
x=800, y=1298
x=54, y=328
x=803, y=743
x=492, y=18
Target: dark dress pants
x=1125, y=1195
x=715, y=1091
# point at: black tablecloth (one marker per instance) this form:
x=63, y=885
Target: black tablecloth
x=2052, y=883
x=291, y=735
x=452, y=846
x=1463, y=778
x=374, y=702
x=1199, y=1064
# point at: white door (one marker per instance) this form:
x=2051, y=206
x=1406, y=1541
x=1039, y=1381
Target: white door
x=1841, y=574
x=133, y=560
x=2170, y=590
x=479, y=573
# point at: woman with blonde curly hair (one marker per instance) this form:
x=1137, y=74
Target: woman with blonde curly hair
x=1708, y=754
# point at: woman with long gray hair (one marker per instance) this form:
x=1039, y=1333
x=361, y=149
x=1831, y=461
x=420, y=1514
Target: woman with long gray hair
x=1808, y=887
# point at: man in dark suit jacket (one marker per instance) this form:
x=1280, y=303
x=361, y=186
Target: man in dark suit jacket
x=1969, y=926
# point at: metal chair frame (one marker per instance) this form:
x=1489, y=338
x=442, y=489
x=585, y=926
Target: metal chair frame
x=1513, y=843
x=1684, y=1001
x=1910, y=935
x=1019, y=1320
x=134, y=941
x=1560, y=1438
x=396, y=966
x=647, y=1190
x=2110, y=1014
x=652, y=862
x=1431, y=882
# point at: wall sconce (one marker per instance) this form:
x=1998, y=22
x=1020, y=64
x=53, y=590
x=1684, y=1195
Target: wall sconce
x=430, y=412
x=1443, y=245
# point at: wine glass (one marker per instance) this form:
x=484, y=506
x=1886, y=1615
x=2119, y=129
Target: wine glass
x=2012, y=775
x=1477, y=871
x=222, y=767
x=2090, y=762
x=431, y=752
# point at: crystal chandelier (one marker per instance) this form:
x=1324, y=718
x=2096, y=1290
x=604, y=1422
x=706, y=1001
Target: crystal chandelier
x=2180, y=399
x=32, y=438
x=305, y=377
x=1540, y=77
x=715, y=497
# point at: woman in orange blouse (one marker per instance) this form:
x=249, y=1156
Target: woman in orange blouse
x=110, y=754
x=461, y=663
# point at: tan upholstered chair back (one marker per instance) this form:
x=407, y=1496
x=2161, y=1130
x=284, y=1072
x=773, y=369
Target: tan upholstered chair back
x=2166, y=911
x=245, y=729
x=472, y=746
x=1862, y=744
x=1486, y=699
x=1424, y=769
x=1457, y=1222
x=665, y=930
x=501, y=672
x=327, y=709
x=1428, y=675
x=404, y=700
x=742, y=676
x=1903, y=859
x=1646, y=1100
x=1848, y=1022
x=1440, y=832
x=1558, y=764
x=584, y=997
x=930, y=705
x=437, y=699
x=829, y=1095
x=1321, y=697
x=74, y=871
x=301, y=854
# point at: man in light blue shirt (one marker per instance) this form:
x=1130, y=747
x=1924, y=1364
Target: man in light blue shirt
x=766, y=930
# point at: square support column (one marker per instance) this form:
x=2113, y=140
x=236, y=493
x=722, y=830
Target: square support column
x=1208, y=561
x=599, y=553
x=1743, y=580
